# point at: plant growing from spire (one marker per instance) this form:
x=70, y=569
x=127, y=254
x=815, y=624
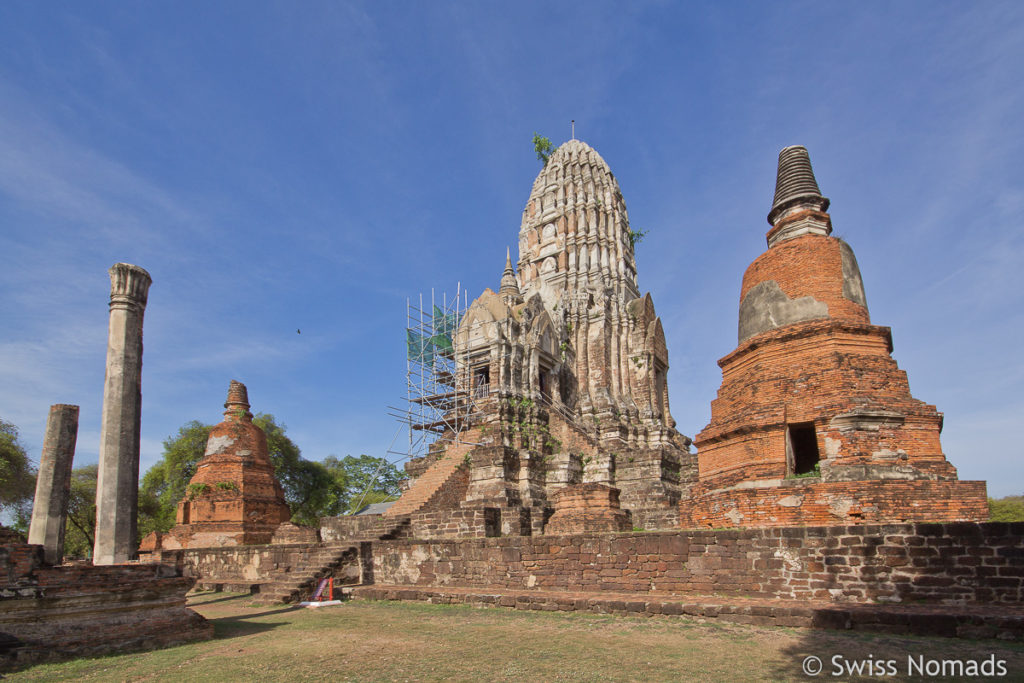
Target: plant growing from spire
x=543, y=147
x=636, y=237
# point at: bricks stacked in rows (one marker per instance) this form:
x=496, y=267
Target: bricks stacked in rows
x=942, y=563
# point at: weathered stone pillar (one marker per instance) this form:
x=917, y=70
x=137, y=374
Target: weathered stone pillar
x=117, y=490
x=50, y=509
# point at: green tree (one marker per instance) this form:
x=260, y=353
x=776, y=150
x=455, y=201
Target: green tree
x=164, y=483
x=543, y=147
x=17, y=478
x=80, y=529
x=1009, y=509
x=365, y=479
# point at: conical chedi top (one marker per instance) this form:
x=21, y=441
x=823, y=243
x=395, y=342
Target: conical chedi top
x=795, y=183
x=806, y=274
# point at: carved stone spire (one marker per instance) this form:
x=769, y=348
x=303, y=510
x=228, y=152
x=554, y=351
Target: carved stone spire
x=798, y=207
x=575, y=229
x=509, y=290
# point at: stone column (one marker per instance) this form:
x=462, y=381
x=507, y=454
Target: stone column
x=117, y=490
x=53, y=485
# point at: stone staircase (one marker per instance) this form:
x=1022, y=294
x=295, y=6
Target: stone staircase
x=430, y=484
x=300, y=582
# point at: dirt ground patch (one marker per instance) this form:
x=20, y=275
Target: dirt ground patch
x=381, y=641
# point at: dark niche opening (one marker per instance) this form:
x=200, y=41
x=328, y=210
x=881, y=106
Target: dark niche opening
x=803, y=446
x=482, y=381
x=492, y=522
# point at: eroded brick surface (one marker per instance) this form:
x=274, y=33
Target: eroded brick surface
x=585, y=508
x=898, y=563
x=83, y=610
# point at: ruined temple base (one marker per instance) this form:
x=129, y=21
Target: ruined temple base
x=582, y=508
x=812, y=502
x=80, y=610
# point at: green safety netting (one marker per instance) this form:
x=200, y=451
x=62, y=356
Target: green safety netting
x=421, y=347
x=445, y=324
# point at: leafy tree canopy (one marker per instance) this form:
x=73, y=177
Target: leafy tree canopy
x=17, y=477
x=1009, y=509
x=365, y=479
x=164, y=484
x=80, y=529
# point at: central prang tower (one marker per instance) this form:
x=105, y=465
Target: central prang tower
x=565, y=373
x=576, y=253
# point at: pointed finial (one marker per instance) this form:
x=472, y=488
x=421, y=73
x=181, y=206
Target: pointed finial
x=236, y=408
x=795, y=183
x=509, y=285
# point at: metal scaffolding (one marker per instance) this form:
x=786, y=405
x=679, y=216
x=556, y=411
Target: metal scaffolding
x=439, y=398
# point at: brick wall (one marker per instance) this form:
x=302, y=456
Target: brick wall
x=450, y=523
x=240, y=567
x=813, y=502
x=361, y=528
x=942, y=563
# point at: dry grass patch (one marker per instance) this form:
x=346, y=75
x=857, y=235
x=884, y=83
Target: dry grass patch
x=367, y=641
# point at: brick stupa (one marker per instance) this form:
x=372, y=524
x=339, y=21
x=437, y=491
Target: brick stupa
x=234, y=497
x=814, y=422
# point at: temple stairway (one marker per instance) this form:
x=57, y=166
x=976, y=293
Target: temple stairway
x=431, y=483
x=340, y=560
x=300, y=583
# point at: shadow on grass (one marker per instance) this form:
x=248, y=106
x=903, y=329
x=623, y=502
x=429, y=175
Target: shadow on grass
x=236, y=625
x=853, y=655
x=196, y=598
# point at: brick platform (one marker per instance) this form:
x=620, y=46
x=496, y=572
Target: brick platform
x=81, y=610
x=583, y=508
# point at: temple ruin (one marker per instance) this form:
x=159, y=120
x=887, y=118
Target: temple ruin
x=560, y=379
x=234, y=497
x=814, y=422
x=552, y=475
x=50, y=610
x=563, y=375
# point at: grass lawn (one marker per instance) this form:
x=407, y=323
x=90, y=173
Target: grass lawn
x=378, y=641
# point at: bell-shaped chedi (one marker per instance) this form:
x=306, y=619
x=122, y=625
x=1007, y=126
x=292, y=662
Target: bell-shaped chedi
x=234, y=497
x=814, y=422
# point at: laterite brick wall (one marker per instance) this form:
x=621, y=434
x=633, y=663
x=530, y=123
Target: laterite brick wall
x=942, y=563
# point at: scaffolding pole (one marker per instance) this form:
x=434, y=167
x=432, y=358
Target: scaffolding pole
x=439, y=400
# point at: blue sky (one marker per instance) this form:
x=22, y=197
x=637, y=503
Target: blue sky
x=284, y=166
